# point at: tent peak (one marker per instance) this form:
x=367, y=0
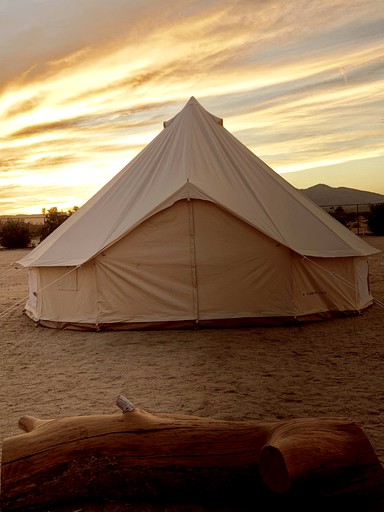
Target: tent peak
x=186, y=111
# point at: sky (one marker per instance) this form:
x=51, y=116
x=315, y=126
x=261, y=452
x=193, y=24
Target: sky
x=86, y=84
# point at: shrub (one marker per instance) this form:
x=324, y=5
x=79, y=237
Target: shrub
x=376, y=219
x=52, y=220
x=340, y=215
x=15, y=234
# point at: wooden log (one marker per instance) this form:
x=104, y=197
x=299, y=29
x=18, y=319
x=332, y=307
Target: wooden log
x=136, y=455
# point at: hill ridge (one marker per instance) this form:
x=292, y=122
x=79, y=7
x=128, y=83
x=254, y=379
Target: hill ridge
x=324, y=195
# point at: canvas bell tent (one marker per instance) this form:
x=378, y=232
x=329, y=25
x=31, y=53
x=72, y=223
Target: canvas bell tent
x=196, y=231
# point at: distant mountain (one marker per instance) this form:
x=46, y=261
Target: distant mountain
x=323, y=195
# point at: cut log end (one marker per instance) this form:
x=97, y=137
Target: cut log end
x=273, y=469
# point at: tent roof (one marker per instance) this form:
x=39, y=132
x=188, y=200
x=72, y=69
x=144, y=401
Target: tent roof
x=194, y=156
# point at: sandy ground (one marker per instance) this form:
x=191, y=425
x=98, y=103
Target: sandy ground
x=329, y=368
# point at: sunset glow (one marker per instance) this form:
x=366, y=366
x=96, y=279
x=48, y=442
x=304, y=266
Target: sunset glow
x=86, y=85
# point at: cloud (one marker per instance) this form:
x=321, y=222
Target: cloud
x=44, y=128
x=23, y=107
x=86, y=84
x=40, y=33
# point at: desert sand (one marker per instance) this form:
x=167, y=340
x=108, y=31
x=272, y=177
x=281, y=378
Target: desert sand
x=328, y=368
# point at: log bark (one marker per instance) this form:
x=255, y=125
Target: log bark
x=136, y=455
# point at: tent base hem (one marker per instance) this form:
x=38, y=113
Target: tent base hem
x=218, y=323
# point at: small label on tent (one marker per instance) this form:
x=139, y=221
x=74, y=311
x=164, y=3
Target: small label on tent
x=313, y=292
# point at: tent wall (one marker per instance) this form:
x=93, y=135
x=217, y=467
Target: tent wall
x=364, y=297
x=63, y=294
x=147, y=275
x=332, y=285
x=240, y=272
x=195, y=263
